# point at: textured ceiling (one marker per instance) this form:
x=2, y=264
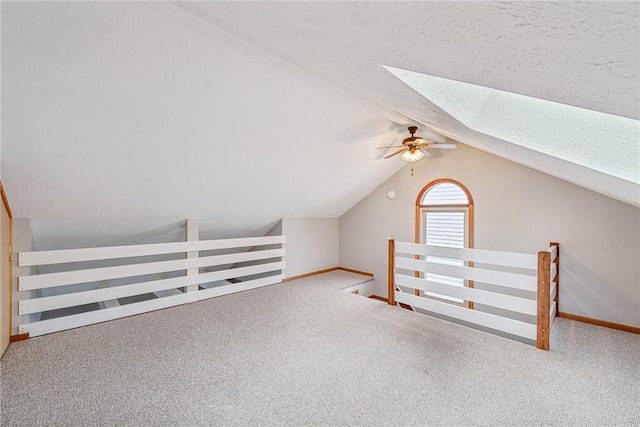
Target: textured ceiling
x=577, y=53
x=123, y=118
x=584, y=54
x=119, y=121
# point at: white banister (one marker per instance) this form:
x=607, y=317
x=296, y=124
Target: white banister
x=265, y=268
x=97, y=316
x=86, y=297
x=494, y=299
x=79, y=298
x=510, y=326
x=49, y=280
x=425, y=282
x=500, y=278
x=506, y=259
x=114, y=252
x=239, y=257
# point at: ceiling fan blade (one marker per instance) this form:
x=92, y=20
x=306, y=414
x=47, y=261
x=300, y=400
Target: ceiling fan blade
x=396, y=153
x=425, y=152
x=390, y=146
x=447, y=146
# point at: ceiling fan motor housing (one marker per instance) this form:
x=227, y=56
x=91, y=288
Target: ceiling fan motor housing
x=412, y=131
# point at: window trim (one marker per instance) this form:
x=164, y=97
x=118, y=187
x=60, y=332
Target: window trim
x=470, y=218
x=420, y=206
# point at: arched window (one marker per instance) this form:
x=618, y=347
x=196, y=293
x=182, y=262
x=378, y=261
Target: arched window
x=444, y=217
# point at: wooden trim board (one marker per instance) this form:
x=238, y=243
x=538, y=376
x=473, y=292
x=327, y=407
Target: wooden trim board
x=5, y=200
x=19, y=337
x=313, y=273
x=470, y=220
x=351, y=270
x=327, y=270
x=598, y=322
x=379, y=298
x=6, y=281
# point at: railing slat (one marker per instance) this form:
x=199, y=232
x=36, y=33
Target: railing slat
x=500, y=278
x=510, y=326
x=97, y=316
x=37, y=305
x=506, y=259
x=239, y=272
x=26, y=259
x=49, y=280
x=554, y=270
x=239, y=257
x=494, y=299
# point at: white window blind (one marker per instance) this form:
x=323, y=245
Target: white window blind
x=444, y=226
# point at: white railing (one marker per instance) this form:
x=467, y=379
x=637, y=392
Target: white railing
x=253, y=263
x=411, y=263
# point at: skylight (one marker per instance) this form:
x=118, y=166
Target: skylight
x=600, y=141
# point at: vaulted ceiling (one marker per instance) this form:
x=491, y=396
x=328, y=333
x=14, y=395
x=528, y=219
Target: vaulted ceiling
x=121, y=119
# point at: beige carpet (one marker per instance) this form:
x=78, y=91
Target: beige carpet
x=305, y=353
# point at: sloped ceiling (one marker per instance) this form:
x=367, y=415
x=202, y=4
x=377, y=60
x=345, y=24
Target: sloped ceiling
x=583, y=54
x=120, y=119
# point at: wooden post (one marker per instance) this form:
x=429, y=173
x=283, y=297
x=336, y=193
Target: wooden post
x=392, y=270
x=544, y=279
x=557, y=278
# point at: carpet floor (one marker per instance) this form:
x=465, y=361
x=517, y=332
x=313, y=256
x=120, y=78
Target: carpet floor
x=304, y=353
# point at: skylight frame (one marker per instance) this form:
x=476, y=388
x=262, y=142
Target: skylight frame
x=604, y=142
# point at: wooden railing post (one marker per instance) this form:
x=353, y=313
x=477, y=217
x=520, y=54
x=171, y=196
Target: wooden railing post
x=544, y=288
x=557, y=278
x=392, y=270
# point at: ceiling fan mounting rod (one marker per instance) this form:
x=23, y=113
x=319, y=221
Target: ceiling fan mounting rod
x=412, y=130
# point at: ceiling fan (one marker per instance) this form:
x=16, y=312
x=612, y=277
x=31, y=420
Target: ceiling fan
x=415, y=148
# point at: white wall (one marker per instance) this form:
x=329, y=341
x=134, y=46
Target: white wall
x=311, y=245
x=516, y=209
x=22, y=242
x=120, y=120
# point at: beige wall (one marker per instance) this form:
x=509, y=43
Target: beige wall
x=22, y=242
x=5, y=278
x=516, y=209
x=312, y=244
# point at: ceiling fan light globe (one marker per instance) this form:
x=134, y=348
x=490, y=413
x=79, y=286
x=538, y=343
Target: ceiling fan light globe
x=412, y=155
